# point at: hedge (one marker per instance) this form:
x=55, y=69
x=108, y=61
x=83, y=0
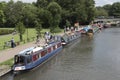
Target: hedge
x=5, y=31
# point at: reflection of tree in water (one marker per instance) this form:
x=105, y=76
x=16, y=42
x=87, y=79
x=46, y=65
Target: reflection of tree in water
x=85, y=45
x=77, y=55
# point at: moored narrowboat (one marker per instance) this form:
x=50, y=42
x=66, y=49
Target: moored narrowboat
x=67, y=38
x=85, y=30
x=34, y=56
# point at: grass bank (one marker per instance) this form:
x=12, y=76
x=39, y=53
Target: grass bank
x=30, y=33
x=8, y=62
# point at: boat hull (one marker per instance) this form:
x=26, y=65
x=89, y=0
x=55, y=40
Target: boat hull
x=38, y=62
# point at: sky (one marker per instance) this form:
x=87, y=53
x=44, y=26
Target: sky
x=104, y=2
x=98, y=2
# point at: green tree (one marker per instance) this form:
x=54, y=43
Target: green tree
x=44, y=15
x=68, y=23
x=42, y=3
x=2, y=17
x=81, y=13
x=70, y=10
x=77, y=10
x=108, y=8
x=2, y=5
x=115, y=9
x=55, y=11
x=29, y=14
x=90, y=10
x=20, y=29
x=38, y=28
x=100, y=11
x=13, y=13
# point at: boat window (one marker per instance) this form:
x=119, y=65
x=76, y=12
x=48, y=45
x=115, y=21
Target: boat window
x=54, y=47
x=59, y=44
x=35, y=57
x=19, y=60
x=29, y=59
x=49, y=50
x=43, y=53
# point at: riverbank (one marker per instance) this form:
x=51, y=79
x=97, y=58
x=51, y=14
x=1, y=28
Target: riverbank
x=9, y=53
x=4, y=69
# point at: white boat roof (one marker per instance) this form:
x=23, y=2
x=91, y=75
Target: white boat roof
x=26, y=50
x=32, y=49
x=37, y=48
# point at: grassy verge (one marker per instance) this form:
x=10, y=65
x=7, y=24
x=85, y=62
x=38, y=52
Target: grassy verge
x=7, y=38
x=31, y=35
x=8, y=62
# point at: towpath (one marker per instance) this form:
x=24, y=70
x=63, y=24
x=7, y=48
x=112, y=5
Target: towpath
x=9, y=53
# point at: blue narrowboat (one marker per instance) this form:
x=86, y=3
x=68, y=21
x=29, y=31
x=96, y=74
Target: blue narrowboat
x=85, y=30
x=34, y=56
x=67, y=38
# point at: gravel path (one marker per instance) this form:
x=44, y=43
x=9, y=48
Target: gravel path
x=9, y=53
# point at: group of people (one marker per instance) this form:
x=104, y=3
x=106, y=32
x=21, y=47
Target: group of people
x=69, y=29
x=47, y=36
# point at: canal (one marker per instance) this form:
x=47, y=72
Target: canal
x=85, y=59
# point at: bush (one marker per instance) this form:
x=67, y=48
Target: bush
x=55, y=30
x=5, y=31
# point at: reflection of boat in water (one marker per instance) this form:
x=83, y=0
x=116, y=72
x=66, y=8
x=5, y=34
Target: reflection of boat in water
x=67, y=38
x=34, y=56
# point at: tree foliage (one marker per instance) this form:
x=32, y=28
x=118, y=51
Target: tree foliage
x=38, y=27
x=101, y=12
x=13, y=13
x=115, y=9
x=44, y=16
x=55, y=11
x=2, y=17
x=29, y=13
x=20, y=29
x=111, y=10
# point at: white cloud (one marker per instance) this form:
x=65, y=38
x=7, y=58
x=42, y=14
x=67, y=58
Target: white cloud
x=103, y=2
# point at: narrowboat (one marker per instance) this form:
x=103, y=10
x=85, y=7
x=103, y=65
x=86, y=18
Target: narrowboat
x=85, y=30
x=67, y=38
x=34, y=56
x=107, y=25
x=93, y=29
x=89, y=30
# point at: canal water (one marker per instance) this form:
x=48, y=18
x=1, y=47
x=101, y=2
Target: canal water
x=96, y=58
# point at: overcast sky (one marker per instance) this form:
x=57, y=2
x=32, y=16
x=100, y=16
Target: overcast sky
x=98, y=2
x=103, y=2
